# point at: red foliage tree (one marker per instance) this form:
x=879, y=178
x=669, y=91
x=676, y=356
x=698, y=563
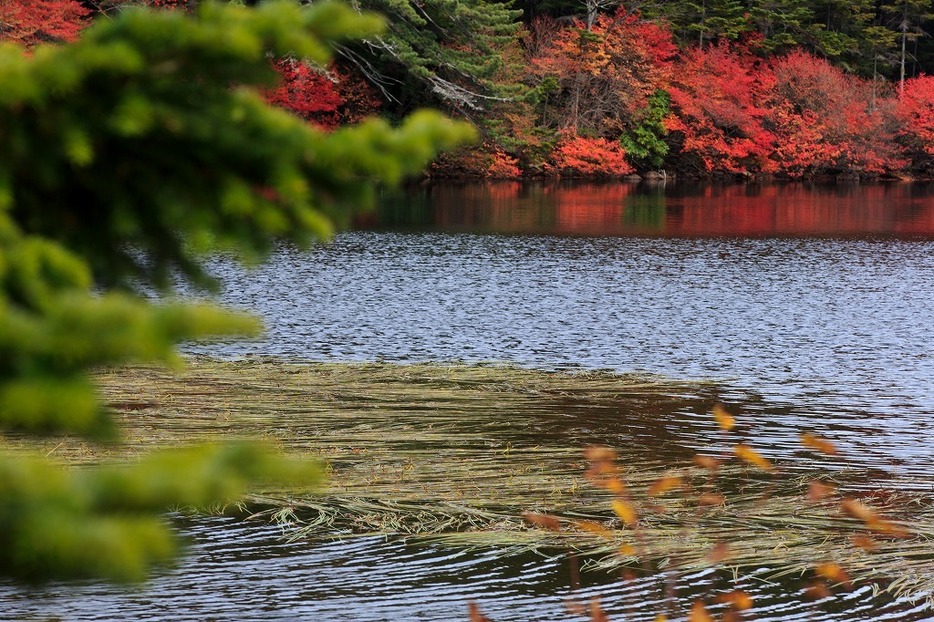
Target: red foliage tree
x=716, y=97
x=327, y=98
x=801, y=147
x=588, y=157
x=826, y=121
x=306, y=92
x=31, y=22
x=916, y=122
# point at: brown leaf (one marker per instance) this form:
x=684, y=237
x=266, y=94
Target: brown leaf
x=874, y=522
x=473, y=611
x=889, y=528
x=707, y=462
x=748, y=454
x=664, y=484
x=575, y=608
x=600, y=454
x=864, y=542
x=599, y=471
x=719, y=552
x=594, y=527
x=737, y=599
x=596, y=611
x=543, y=520
x=616, y=486
x=819, y=490
x=855, y=509
x=818, y=444
x=816, y=590
x=711, y=498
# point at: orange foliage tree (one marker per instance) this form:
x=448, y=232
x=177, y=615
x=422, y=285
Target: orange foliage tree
x=486, y=161
x=603, y=77
x=589, y=157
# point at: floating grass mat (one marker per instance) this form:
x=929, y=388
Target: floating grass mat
x=457, y=454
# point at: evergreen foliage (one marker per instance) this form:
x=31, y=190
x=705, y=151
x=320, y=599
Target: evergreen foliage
x=452, y=47
x=127, y=156
x=841, y=30
x=645, y=145
x=906, y=18
x=699, y=22
x=783, y=24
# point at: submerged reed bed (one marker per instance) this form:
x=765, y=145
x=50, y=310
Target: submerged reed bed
x=493, y=456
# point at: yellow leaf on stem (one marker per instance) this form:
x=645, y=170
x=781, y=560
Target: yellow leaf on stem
x=819, y=444
x=748, y=454
x=835, y=574
x=663, y=485
x=699, y=613
x=724, y=419
x=625, y=511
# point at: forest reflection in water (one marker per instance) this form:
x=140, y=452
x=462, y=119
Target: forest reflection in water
x=663, y=209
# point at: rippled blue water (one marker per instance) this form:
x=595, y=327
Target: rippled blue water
x=241, y=571
x=838, y=331
x=806, y=320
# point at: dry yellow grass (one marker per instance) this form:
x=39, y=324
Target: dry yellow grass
x=459, y=453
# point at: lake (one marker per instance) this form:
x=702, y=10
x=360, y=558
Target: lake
x=809, y=306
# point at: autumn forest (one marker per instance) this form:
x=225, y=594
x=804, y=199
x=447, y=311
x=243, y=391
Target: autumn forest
x=595, y=88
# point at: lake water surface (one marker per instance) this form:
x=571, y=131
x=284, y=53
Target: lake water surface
x=812, y=306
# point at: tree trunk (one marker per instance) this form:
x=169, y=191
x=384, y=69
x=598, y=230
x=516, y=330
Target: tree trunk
x=901, y=80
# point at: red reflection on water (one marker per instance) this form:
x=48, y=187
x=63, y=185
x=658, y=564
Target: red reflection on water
x=801, y=210
x=589, y=209
x=674, y=210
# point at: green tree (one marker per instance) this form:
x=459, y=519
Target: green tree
x=842, y=25
x=699, y=22
x=906, y=18
x=645, y=145
x=127, y=156
x=784, y=23
x=449, y=49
